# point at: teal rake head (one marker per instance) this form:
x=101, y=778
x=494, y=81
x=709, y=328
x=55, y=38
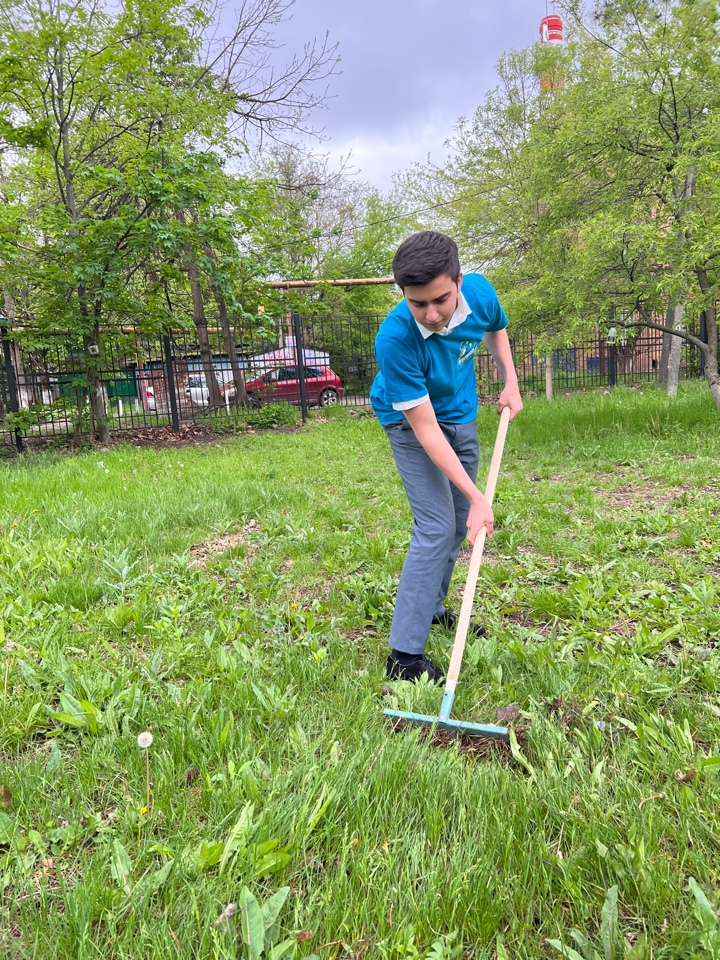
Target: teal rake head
x=443, y=721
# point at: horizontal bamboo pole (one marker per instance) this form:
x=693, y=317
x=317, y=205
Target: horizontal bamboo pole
x=355, y=282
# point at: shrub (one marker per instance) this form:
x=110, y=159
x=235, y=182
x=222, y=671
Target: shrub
x=260, y=418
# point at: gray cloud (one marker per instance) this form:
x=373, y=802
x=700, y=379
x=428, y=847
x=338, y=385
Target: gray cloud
x=409, y=69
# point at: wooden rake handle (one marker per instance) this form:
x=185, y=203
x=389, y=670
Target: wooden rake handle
x=475, y=560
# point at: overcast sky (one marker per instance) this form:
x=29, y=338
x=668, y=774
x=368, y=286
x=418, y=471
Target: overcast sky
x=409, y=69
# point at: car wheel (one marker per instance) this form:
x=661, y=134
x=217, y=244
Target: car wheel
x=328, y=398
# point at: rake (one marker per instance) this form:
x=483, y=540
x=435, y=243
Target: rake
x=443, y=720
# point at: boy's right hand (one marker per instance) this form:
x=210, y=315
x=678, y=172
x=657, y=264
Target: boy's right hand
x=480, y=516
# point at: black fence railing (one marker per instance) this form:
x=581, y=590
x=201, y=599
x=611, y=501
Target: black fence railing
x=143, y=381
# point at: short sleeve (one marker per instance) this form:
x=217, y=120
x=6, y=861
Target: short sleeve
x=496, y=315
x=403, y=379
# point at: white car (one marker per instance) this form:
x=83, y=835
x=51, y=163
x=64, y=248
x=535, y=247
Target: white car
x=197, y=389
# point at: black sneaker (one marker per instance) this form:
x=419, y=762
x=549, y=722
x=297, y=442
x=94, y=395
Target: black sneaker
x=449, y=620
x=412, y=668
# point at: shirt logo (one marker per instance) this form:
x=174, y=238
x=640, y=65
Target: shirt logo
x=467, y=352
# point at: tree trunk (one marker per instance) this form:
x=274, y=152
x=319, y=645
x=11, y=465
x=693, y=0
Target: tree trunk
x=667, y=341
x=200, y=321
x=98, y=406
x=712, y=375
x=673, y=372
x=24, y=397
x=548, y=378
x=711, y=347
x=78, y=426
x=99, y=410
x=231, y=347
x=670, y=355
x=228, y=338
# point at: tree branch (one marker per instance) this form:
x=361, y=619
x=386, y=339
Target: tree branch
x=695, y=341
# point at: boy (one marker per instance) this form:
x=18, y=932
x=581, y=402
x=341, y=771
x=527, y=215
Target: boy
x=425, y=397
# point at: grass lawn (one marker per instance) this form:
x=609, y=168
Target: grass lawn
x=234, y=600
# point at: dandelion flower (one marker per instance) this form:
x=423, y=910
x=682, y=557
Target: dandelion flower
x=144, y=740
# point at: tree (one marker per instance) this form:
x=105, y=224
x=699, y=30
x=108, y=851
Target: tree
x=117, y=126
x=636, y=131
x=599, y=197
x=102, y=159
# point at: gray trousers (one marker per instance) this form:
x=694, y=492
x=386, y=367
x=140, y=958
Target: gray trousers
x=440, y=514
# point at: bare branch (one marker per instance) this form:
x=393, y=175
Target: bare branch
x=268, y=98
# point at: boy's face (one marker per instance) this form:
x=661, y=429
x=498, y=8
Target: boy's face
x=433, y=304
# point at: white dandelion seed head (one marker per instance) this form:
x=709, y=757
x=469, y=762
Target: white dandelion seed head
x=144, y=740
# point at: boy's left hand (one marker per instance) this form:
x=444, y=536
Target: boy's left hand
x=510, y=397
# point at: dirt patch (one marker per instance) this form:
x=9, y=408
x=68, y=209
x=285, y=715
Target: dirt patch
x=519, y=619
x=472, y=747
x=202, y=553
x=565, y=709
x=466, y=553
x=622, y=627
x=626, y=496
x=488, y=560
x=645, y=496
x=189, y=435
x=357, y=635
x=711, y=486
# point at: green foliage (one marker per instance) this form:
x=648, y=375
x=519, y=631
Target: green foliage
x=24, y=419
x=709, y=922
x=271, y=414
x=263, y=417
x=611, y=945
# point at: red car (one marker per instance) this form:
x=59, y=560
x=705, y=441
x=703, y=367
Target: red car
x=281, y=384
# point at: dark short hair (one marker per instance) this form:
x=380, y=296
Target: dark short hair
x=423, y=257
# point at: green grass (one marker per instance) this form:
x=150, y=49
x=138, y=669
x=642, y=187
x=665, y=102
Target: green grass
x=235, y=600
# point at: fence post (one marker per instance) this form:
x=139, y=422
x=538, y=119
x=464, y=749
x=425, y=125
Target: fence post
x=11, y=380
x=297, y=331
x=612, y=364
x=170, y=375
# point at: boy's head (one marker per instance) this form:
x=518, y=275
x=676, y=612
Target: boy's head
x=427, y=269
x=423, y=257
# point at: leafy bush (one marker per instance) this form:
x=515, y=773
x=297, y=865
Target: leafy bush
x=260, y=418
x=273, y=414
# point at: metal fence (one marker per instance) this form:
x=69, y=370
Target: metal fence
x=162, y=380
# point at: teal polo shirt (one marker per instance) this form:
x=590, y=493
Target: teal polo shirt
x=439, y=366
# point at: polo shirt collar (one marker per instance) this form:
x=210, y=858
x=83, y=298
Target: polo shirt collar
x=462, y=312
